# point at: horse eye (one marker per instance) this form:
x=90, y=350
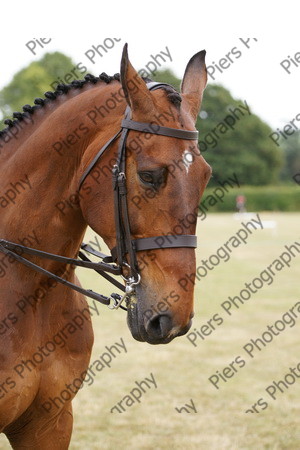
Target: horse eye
x=146, y=177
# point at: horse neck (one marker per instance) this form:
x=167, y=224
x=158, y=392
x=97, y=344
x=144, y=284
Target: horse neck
x=44, y=172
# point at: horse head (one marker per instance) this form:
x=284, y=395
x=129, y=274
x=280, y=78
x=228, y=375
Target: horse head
x=165, y=179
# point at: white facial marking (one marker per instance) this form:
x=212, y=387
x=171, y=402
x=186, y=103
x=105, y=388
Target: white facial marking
x=188, y=159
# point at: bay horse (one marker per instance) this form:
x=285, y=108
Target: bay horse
x=139, y=193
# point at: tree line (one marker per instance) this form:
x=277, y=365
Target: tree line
x=232, y=138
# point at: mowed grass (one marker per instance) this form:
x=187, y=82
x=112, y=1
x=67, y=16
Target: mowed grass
x=182, y=370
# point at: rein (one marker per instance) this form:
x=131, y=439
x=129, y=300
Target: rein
x=125, y=245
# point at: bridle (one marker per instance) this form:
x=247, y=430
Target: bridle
x=125, y=245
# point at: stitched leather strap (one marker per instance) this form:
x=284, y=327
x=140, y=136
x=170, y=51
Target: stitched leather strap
x=97, y=157
x=92, y=251
x=88, y=292
x=158, y=242
x=7, y=246
x=169, y=241
x=154, y=128
x=101, y=272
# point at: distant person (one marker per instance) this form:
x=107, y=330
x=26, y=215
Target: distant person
x=241, y=203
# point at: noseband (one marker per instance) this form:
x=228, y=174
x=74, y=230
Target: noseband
x=124, y=253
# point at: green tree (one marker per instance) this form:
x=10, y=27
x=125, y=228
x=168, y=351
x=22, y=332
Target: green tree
x=245, y=150
x=33, y=81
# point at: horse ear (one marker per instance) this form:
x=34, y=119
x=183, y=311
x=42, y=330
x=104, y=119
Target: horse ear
x=194, y=82
x=136, y=92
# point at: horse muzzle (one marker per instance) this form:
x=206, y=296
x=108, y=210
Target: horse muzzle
x=160, y=328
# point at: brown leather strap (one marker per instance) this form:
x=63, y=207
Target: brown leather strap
x=97, y=157
x=120, y=247
x=4, y=249
x=158, y=242
x=92, y=251
x=154, y=128
x=14, y=248
x=101, y=272
x=126, y=226
x=169, y=241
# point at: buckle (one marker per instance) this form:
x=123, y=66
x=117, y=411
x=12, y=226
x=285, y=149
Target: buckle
x=129, y=291
x=117, y=301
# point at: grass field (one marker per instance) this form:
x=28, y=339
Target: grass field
x=182, y=370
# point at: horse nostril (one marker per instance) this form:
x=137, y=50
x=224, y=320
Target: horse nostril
x=159, y=326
